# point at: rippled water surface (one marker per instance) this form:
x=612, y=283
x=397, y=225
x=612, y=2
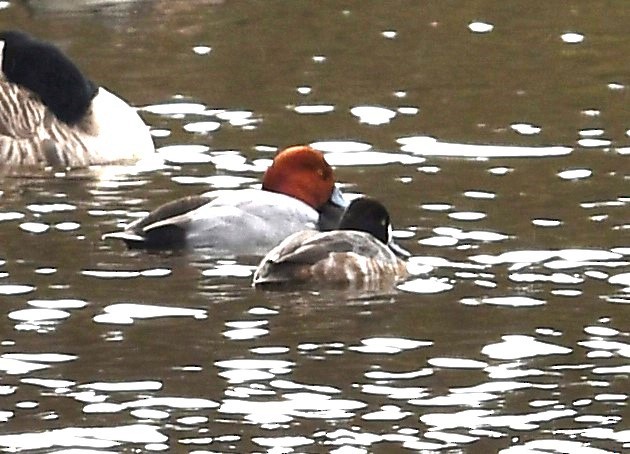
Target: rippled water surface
x=496, y=134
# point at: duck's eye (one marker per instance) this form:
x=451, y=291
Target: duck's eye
x=324, y=173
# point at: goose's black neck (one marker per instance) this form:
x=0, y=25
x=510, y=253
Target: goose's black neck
x=46, y=71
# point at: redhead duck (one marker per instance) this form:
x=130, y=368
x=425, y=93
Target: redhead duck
x=298, y=192
x=360, y=252
x=51, y=115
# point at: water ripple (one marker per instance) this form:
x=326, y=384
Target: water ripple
x=10, y=216
x=395, y=392
x=537, y=256
x=84, y=437
x=554, y=445
x=384, y=375
x=341, y=146
x=38, y=315
x=175, y=108
x=429, y=146
x=127, y=313
x=282, y=442
x=386, y=413
x=457, y=363
x=34, y=227
x=51, y=208
x=22, y=363
x=572, y=37
x=365, y=158
x=202, y=127
x=147, y=385
x=314, y=109
x=373, y=115
x=118, y=274
x=303, y=404
x=388, y=345
x=480, y=27
x=15, y=289
x=519, y=346
x=424, y=286
x=185, y=154
x=526, y=129
x=485, y=418
x=575, y=174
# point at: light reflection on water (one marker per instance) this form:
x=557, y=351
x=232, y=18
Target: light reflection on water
x=510, y=335
x=260, y=386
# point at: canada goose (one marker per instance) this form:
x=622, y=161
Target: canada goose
x=51, y=115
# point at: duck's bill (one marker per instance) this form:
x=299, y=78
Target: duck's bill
x=338, y=199
x=332, y=211
x=398, y=249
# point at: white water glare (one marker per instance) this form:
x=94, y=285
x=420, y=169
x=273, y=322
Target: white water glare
x=429, y=146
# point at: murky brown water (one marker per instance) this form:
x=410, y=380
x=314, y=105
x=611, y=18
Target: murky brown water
x=514, y=341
